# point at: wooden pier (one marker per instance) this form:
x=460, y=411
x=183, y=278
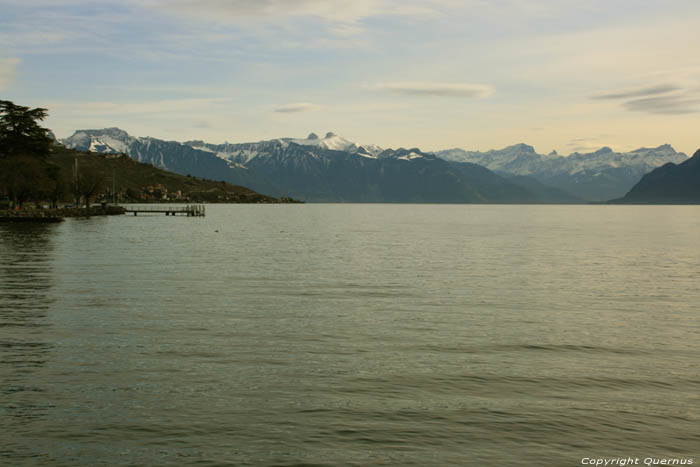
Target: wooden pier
x=191, y=210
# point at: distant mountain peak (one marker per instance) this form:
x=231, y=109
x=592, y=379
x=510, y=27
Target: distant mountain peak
x=335, y=143
x=114, y=132
x=596, y=176
x=106, y=140
x=668, y=184
x=522, y=147
x=666, y=148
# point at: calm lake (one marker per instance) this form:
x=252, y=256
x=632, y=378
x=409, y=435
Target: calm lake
x=352, y=335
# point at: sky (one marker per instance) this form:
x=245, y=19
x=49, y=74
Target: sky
x=564, y=75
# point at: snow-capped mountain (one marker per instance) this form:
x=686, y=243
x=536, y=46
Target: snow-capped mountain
x=596, y=176
x=108, y=140
x=519, y=159
x=333, y=168
x=335, y=143
x=312, y=169
x=242, y=153
x=168, y=155
x=668, y=184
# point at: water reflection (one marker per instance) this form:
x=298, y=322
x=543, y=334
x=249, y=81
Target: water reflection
x=26, y=273
x=26, y=283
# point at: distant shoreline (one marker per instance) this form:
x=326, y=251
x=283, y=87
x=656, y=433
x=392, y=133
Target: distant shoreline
x=48, y=215
x=59, y=214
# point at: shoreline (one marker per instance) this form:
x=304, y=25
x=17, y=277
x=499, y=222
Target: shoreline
x=58, y=214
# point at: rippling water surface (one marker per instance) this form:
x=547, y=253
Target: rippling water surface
x=352, y=335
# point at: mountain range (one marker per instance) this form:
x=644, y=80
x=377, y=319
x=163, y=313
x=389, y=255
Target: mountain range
x=596, y=176
x=334, y=169
x=668, y=184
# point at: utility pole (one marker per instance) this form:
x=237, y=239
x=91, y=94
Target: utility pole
x=114, y=185
x=75, y=182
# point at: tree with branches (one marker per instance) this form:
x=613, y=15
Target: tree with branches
x=20, y=132
x=25, y=172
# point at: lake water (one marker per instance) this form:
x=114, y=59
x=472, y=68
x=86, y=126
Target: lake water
x=352, y=335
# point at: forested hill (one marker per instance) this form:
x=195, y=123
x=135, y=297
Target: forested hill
x=34, y=168
x=136, y=181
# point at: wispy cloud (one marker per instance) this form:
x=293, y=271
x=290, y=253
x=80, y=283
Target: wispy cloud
x=155, y=107
x=8, y=69
x=589, y=144
x=334, y=10
x=297, y=107
x=463, y=90
x=647, y=91
x=669, y=105
x=23, y=37
x=667, y=99
x=202, y=124
x=292, y=23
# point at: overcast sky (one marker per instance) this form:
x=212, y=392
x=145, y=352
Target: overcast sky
x=569, y=75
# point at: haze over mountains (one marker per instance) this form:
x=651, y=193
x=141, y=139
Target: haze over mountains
x=333, y=169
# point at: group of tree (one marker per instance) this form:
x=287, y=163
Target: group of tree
x=26, y=170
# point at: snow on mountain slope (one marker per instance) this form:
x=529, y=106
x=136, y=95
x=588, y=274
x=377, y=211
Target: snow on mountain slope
x=596, y=176
x=244, y=153
x=108, y=140
x=522, y=159
x=168, y=155
x=335, y=143
x=410, y=156
x=267, y=165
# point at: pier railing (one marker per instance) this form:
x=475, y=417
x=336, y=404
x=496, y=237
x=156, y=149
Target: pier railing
x=190, y=210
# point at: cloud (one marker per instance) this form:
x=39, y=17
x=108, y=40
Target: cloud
x=22, y=37
x=648, y=91
x=202, y=124
x=667, y=99
x=462, y=90
x=223, y=11
x=132, y=108
x=667, y=105
x=297, y=107
x=590, y=144
x=8, y=69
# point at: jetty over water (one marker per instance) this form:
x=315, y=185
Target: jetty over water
x=191, y=210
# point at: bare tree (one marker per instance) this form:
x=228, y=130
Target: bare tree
x=87, y=182
x=58, y=187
